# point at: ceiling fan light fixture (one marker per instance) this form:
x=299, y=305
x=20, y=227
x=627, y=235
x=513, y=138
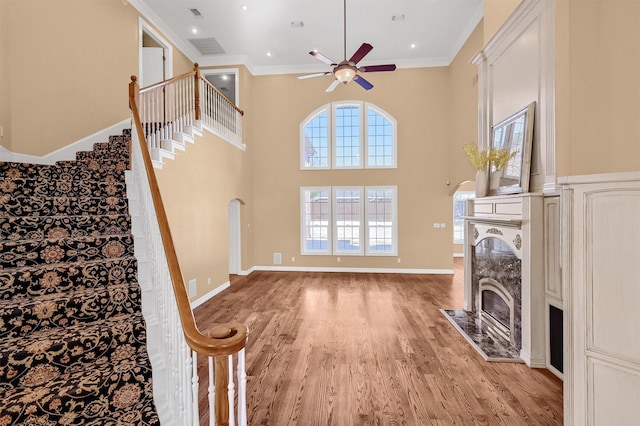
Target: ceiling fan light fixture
x=345, y=74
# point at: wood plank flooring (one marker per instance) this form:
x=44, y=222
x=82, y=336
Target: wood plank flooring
x=370, y=349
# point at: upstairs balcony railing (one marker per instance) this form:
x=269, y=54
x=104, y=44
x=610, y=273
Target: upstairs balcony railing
x=169, y=107
x=185, y=102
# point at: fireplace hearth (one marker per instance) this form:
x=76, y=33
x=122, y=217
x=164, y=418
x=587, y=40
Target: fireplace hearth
x=503, y=312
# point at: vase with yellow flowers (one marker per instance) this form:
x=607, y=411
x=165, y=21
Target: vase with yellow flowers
x=498, y=158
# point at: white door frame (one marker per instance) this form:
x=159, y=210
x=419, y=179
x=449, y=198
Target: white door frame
x=235, y=247
x=144, y=27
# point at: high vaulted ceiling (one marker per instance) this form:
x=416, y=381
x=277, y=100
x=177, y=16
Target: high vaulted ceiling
x=275, y=36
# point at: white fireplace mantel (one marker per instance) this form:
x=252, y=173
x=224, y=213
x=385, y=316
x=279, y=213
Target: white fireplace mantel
x=518, y=221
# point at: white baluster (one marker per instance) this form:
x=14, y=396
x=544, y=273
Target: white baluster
x=195, y=385
x=242, y=390
x=231, y=393
x=212, y=394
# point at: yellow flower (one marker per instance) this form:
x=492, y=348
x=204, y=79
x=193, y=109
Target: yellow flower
x=479, y=159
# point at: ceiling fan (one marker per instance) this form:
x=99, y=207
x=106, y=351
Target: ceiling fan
x=347, y=70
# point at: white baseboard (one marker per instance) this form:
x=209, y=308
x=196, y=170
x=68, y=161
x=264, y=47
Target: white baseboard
x=67, y=152
x=360, y=270
x=202, y=299
x=458, y=254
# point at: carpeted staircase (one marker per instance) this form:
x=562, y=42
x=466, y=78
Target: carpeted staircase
x=72, y=335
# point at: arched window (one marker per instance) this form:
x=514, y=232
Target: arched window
x=347, y=135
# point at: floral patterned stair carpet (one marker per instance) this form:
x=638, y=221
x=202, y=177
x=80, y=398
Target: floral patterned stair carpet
x=72, y=336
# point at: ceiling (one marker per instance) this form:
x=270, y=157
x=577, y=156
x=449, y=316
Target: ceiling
x=275, y=36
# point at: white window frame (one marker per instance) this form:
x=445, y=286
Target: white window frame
x=364, y=108
x=336, y=228
x=394, y=222
x=394, y=139
x=334, y=139
x=467, y=195
x=303, y=136
x=303, y=225
x=332, y=232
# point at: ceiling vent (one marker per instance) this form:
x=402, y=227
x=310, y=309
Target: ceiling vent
x=207, y=46
x=196, y=13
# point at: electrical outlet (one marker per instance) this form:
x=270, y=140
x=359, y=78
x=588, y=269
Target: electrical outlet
x=398, y=260
x=338, y=260
x=293, y=258
x=209, y=281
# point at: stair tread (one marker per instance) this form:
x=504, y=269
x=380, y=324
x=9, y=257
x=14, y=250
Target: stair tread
x=72, y=333
x=54, y=311
x=54, y=206
x=109, y=390
x=16, y=228
x=16, y=254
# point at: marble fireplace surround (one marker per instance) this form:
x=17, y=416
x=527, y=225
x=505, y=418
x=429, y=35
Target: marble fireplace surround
x=512, y=224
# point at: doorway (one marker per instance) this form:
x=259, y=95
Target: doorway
x=155, y=56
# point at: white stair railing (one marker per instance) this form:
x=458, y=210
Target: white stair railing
x=174, y=341
x=183, y=103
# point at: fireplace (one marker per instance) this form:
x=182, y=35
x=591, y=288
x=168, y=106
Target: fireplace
x=496, y=281
x=497, y=309
x=503, y=313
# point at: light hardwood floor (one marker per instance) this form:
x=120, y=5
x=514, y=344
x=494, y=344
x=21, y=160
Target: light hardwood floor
x=371, y=349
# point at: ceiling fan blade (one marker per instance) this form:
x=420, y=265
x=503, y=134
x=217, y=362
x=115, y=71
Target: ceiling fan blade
x=333, y=85
x=362, y=82
x=319, y=74
x=377, y=68
x=361, y=53
x=323, y=58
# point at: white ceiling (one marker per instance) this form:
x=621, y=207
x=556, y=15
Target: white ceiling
x=438, y=28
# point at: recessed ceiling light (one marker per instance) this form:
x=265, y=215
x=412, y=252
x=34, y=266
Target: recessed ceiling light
x=269, y=54
x=194, y=30
x=225, y=77
x=413, y=45
x=245, y=8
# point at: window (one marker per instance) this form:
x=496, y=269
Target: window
x=315, y=220
x=315, y=141
x=381, y=220
x=341, y=220
x=459, y=211
x=348, y=135
x=347, y=210
x=380, y=140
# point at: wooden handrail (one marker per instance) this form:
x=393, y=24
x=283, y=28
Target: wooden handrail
x=195, y=339
x=166, y=82
x=222, y=340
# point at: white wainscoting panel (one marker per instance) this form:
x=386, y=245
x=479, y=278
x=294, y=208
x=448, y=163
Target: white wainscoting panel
x=601, y=254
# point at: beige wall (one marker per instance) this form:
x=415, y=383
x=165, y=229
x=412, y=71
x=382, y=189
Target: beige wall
x=496, y=13
x=598, y=86
x=430, y=136
x=196, y=189
x=464, y=99
x=5, y=110
x=81, y=52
